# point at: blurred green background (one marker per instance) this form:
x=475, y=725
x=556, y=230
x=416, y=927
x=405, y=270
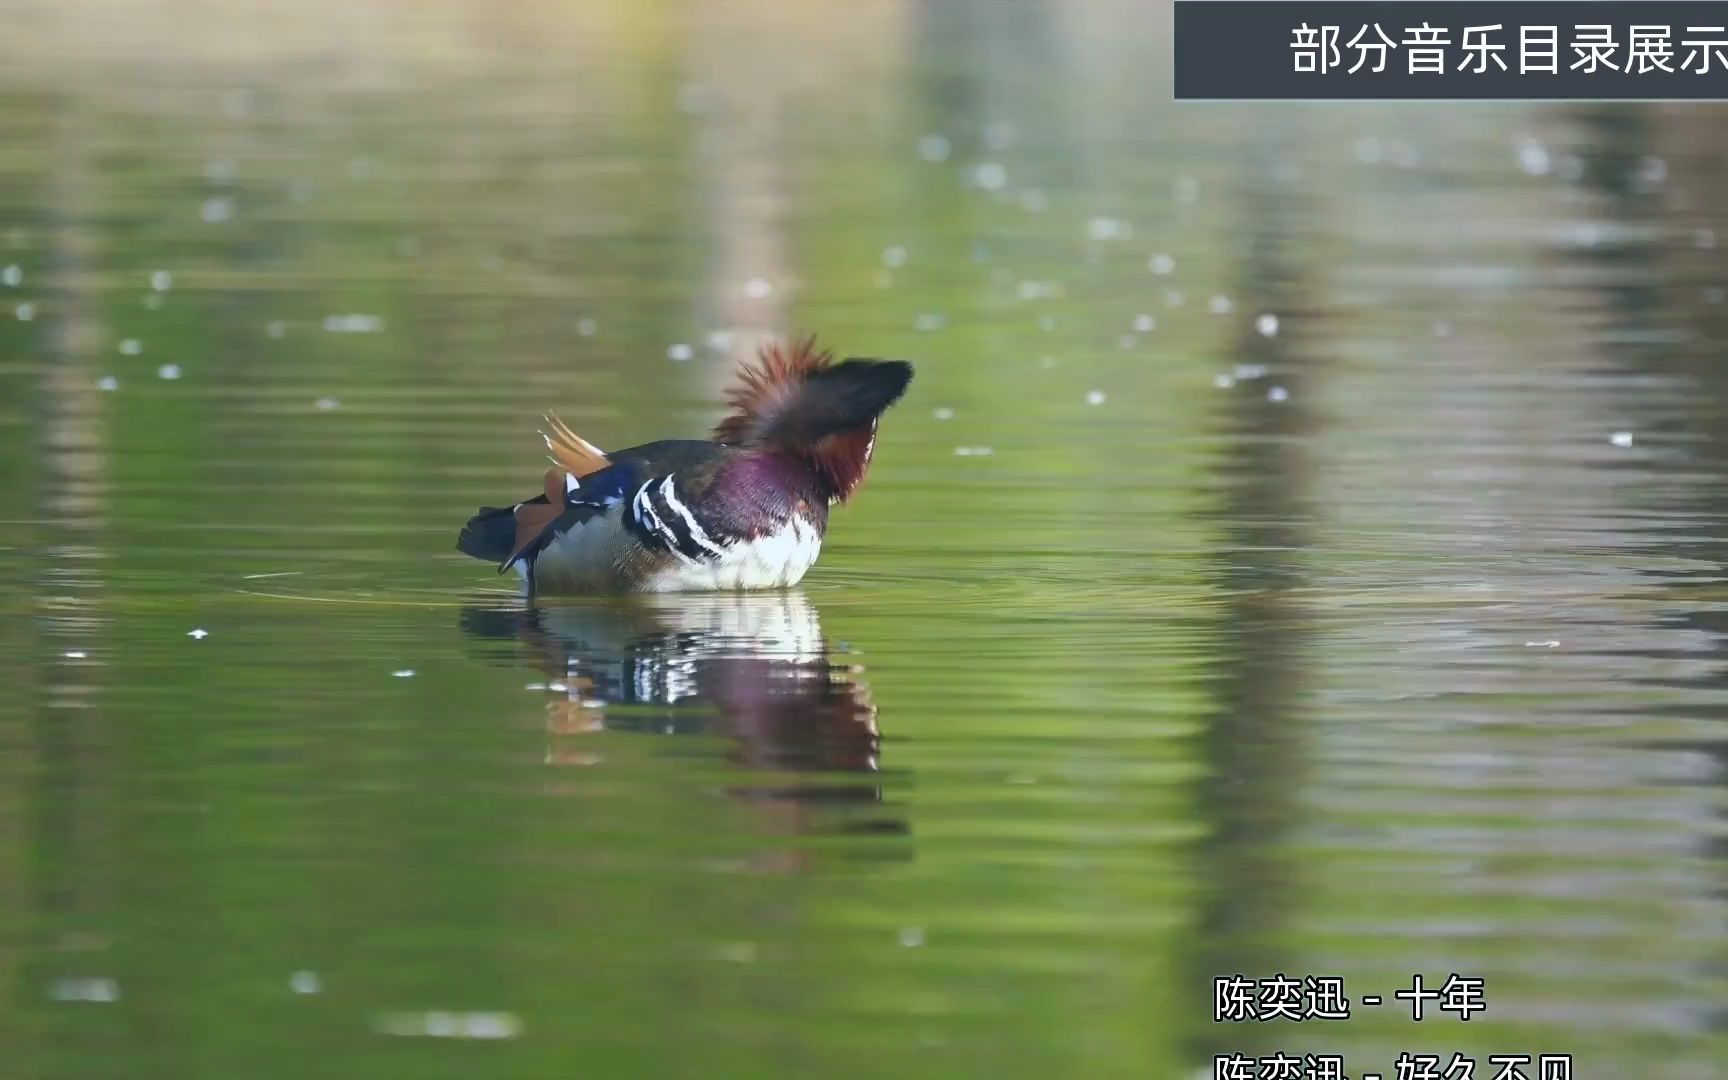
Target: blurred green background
x=1300, y=551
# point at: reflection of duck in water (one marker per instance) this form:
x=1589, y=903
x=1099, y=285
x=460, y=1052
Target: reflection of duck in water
x=750, y=667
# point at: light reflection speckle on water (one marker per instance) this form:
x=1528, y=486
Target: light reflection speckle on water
x=1301, y=551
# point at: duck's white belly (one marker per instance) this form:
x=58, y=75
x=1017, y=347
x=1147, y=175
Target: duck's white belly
x=768, y=562
x=601, y=555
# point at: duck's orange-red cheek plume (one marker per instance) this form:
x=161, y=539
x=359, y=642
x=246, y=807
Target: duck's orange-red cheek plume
x=843, y=459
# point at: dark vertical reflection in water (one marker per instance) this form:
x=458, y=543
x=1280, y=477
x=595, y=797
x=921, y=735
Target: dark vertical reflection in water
x=1254, y=737
x=1618, y=138
x=980, y=78
x=76, y=761
x=977, y=61
x=1674, y=329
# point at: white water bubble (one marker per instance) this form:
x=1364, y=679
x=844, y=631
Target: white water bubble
x=198, y=633
x=439, y=1024
x=1144, y=324
x=990, y=175
x=1095, y=397
x=1219, y=305
x=327, y=404
x=929, y=322
x=25, y=312
x=1533, y=157
x=758, y=288
x=1033, y=200
x=99, y=991
x=305, y=982
x=1108, y=228
x=12, y=276
x=1223, y=380
x=169, y=372
x=1277, y=394
x=943, y=412
x=1161, y=264
x=403, y=673
x=216, y=211
x=1622, y=439
x=911, y=937
x=130, y=346
x=1652, y=172
x=680, y=352
x=354, y=323
x=108, y=383
x=161, y=280
x=1267, y=324
x=587, y=326
x=894, y=256
x=275, y=328
x=720, y=340
x=934, y=148
x=1248, y=372
x=491, y=1026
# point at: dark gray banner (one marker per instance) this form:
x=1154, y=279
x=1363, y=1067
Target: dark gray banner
x=1623, y=50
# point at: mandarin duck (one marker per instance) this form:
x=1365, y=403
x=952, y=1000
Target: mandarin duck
x=745, y=509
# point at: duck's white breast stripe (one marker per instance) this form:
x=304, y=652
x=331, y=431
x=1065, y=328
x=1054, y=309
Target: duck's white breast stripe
x=643, y=507
x=696, y=532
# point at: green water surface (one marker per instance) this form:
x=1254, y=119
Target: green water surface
x=1300, y=552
